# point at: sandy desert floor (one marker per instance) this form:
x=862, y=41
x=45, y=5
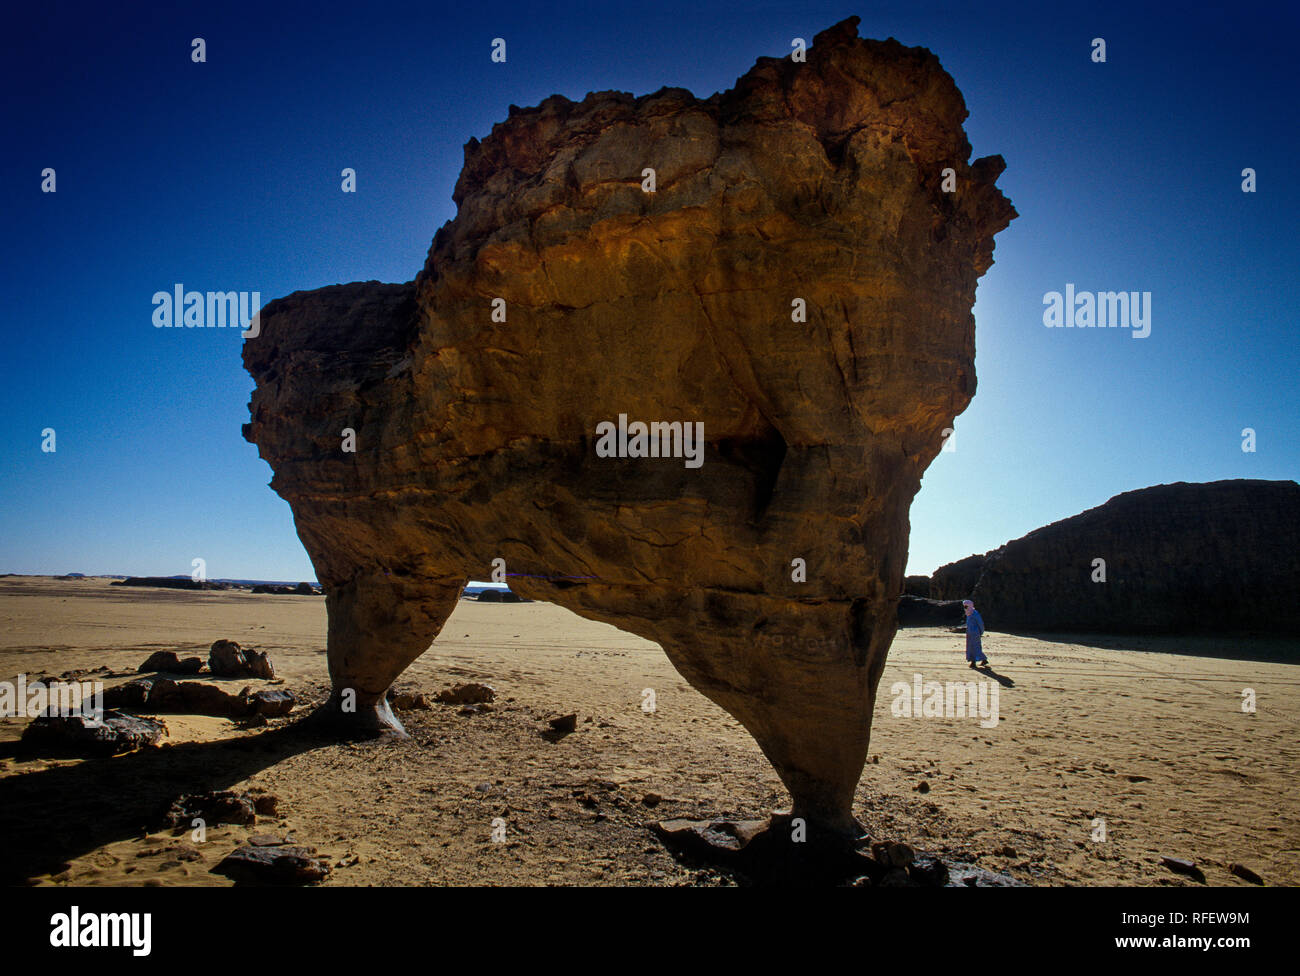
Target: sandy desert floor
x=1147, y=734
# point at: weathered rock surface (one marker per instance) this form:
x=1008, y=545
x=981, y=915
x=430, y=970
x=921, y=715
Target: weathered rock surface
x=281, y=865
x=917, y=586
x=197, y=698
x=915, y=611
x=1222, y=556
x=216, y=807
x=172, y=663
x=85, y=735
x=765, y=851
x=798, y=283
x=956, y=581
x=469, y=693
x=226, y=659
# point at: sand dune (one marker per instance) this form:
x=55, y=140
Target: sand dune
x=1153, y=740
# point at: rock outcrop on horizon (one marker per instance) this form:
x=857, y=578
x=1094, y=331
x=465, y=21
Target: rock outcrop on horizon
x=797, y=289
x=956, y=581
x=1216, y=557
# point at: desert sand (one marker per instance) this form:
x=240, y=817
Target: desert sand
x=1146, y=734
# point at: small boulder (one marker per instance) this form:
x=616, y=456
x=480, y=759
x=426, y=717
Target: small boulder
x=160, y=661
x=267, y=804
x=258, y=665
x=928, y=870
x=471, y=693
x=84, y=735
x=565, y=723
x=215, y=807
x=892, y=855
x=1245, y=874
x=405, y=701
x=272, y=704
x=1182, y=866
x=226, y=660
x=169, y=662
x=133, y=694
x=284, y=865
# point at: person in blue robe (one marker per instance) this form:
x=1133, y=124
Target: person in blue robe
x=974, y=631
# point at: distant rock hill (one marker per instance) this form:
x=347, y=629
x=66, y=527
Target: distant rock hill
x=172, y=583
x=1218, y=557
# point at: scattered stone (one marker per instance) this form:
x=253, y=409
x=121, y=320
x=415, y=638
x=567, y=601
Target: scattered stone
x=271, y=703
x=171, y=663
x=970, y=876
x=892, y=855
x=87, y=736
x=258, y=665
x=704, y=835
x=305, y=589
x=928, y=870
x=1245, y=873
x=226, y=660
x=565, y=723
x=471, y=693
x=133, y=694
x=274, y=866
x=406, y=701
x=652, y=799
x=266, y=804
x=215, y=807
x=922, y=787
x=161, y=694
x=1182, y=866
x=196, y=698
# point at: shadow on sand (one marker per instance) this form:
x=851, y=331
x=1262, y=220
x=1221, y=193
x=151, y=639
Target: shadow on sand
x=50, y=816
x=1231, y=647
x=986, y=669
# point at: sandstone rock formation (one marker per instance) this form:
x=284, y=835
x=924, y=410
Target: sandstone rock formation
x=917, y=611
x=917, y=586
x=798, y=283
x=956, y=581
x=226, y=659
x=1223, y=556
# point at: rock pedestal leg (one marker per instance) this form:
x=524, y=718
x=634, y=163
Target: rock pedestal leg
x=378, y=624
x=807, y=700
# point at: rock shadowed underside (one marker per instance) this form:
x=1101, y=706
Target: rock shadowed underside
x=1223, y=556
x=814, y=185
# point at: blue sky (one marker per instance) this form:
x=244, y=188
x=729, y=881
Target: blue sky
x=225, y=175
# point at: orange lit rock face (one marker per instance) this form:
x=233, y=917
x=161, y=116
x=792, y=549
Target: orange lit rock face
x=798, y=282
